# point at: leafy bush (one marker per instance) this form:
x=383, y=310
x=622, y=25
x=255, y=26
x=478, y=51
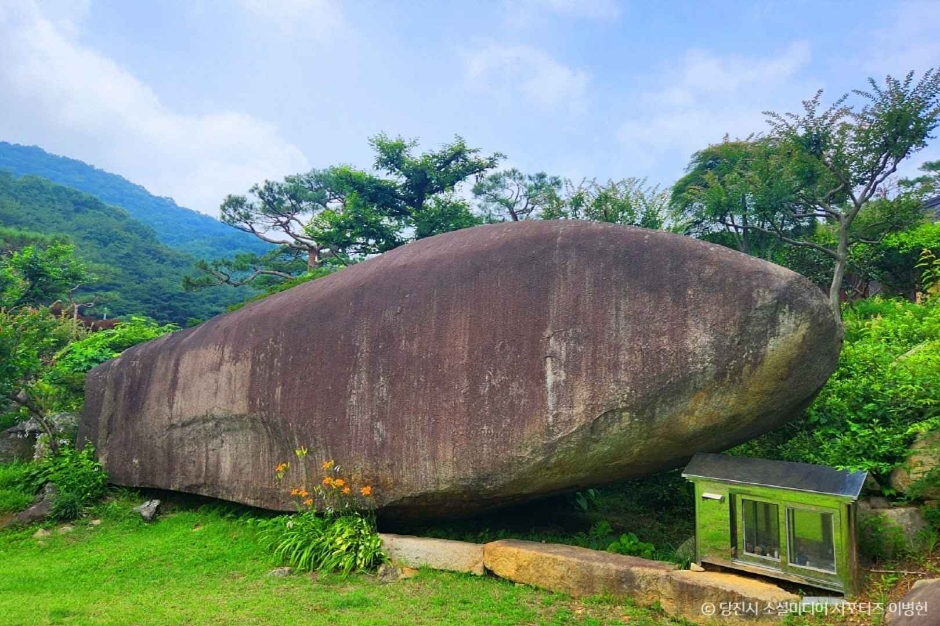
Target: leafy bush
x=309, y=541
x=629, y=544
x=331, y=532
x=78, y=477
x=885, y=390
x=64, y=381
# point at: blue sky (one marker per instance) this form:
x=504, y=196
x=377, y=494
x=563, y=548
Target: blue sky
x=196, y=99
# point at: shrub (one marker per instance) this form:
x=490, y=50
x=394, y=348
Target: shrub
x=63, y=383
x=310, y=541
x=885, y=390
x=77, y=475
x=629, y=544
x=333, y=530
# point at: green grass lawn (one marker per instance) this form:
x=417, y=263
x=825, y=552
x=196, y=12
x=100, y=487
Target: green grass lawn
x=199, y=564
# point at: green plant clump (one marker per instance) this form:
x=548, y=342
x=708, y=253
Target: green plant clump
x=629, y=544
x=78, y=477
x=309, y=541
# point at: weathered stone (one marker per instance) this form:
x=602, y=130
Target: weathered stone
x=389, y=573
x=920, y=607
x=42, y=533
x=893, y=530
x=40, y=509
x=445, y=554
x=695, y=596
x=575, y=571
x=65, y=426
x=16, y=444
x=64, y=530
x=871, y=485
x=148, y=510
x=473, y=369
x=695, y=567
x=281, y=572
x=705, y=597
x=924, y=457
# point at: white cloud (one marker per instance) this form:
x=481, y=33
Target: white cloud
x=318, y=18
x=905, y=40
x=707, y=96
x=71, y=100
x=518, y=70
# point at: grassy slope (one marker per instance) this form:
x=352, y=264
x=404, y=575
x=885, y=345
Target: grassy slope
x=201, y=565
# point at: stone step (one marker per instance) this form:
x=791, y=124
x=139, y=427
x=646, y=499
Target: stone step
x=700, y=597
x=443, y=554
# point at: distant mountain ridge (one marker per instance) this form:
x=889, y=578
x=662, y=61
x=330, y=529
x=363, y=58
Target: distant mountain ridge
x=134, y=273
x=178, y=227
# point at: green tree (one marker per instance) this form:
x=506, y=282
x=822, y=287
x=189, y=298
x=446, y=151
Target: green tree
x=628, y=201
x=29, y=340
x=29, y=335
x=839, y=160
x=340, y=214
x=728, y=189
x=39, y=275
x=510, y=195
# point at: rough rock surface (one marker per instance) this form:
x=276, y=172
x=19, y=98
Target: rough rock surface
x=923, y=459
x=40, y=509
x=899, y=527
x=920, y=607
x=17, y=444
x=699, y=597
x=445, y=554
x=473, y=369
x=148, y=510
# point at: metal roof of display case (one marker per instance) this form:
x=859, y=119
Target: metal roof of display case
x=779, y=474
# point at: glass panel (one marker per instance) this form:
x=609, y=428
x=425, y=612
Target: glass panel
x=761, y=529
x=811, y=544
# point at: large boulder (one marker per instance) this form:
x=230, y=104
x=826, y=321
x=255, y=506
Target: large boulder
x=473, y=369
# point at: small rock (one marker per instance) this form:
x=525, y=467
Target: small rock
x=879, y=502
x=389, y=573
x=42, y=532
x=40, y=509
x=95, y=522
x=281, y=572
x=148, y=510
x=695, y=567
x=66, y=529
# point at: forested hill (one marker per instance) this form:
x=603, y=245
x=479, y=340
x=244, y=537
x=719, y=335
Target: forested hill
x=178, y=227
x=135, y=273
